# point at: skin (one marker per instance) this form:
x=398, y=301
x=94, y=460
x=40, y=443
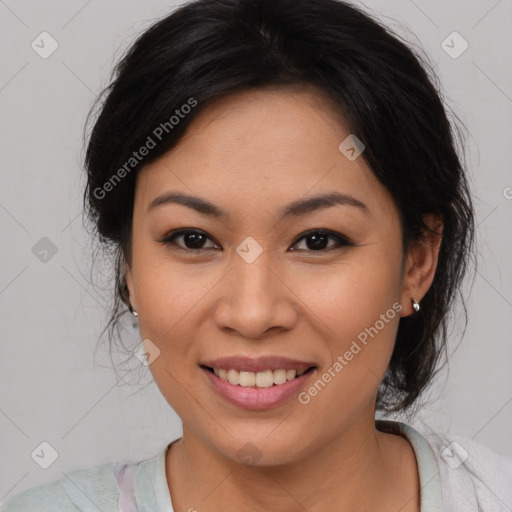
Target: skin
x=250, y=154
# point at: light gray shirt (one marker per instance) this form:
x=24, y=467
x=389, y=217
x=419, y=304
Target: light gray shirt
x=456, y=475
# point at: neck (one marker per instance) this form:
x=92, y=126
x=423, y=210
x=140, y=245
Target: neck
x=362, y=467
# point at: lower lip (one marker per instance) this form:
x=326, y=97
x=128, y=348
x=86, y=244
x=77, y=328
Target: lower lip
x=257, y=398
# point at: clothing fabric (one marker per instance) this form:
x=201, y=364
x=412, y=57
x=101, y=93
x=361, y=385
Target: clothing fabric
x=457, y=474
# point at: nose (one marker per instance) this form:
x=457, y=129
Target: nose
x=255, y=299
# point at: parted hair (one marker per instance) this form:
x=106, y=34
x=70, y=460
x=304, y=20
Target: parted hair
x=386, y=90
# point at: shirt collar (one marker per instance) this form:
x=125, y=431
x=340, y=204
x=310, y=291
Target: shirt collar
x=152, y=490
x=430, y=484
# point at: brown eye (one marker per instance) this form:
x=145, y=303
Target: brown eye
x=318, y=240
x=192, y=239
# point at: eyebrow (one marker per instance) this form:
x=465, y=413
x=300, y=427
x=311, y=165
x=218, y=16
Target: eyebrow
x=296, y=208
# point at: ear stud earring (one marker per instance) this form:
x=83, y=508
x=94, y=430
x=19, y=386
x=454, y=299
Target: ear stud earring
x=132, y=311
x=415, y=304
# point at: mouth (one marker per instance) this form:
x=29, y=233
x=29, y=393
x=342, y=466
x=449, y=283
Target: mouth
x=262, y=379
x=267, y=386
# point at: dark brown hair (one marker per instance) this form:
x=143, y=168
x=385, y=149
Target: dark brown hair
x=389, y=94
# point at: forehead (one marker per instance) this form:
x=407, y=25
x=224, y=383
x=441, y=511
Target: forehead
x=260, y=148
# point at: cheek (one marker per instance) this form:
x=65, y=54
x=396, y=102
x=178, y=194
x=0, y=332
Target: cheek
x=352, y=294
x=169, y=300
x=358, y=305
x=167, y=290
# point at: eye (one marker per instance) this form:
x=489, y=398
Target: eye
x=194, y=240
x=319, y=239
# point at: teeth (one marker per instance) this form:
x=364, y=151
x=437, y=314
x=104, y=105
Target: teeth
x=246, y=379
x=279, y=376
x=233, y=377
x=290, y=374
x=264, y=379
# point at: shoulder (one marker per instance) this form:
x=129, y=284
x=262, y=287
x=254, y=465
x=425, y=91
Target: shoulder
x=82, y=490
x=44, y=498
x=470, y=472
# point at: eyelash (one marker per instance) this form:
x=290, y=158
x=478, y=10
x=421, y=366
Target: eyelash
x=342, y=240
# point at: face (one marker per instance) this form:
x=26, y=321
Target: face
x=318, y=285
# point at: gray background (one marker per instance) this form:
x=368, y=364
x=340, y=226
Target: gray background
x=53, y=389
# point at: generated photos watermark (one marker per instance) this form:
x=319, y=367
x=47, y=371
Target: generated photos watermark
x=137, y=156
x=343, y=360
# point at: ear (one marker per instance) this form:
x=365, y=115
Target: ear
x=129, y=284
x=420, y=265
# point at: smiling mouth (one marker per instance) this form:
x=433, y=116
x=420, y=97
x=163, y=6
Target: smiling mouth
x=264, y=379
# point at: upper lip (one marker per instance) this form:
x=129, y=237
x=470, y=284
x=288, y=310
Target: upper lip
x=257, y=364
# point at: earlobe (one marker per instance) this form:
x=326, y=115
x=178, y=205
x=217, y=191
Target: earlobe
x=421, y=266
x=129, y=285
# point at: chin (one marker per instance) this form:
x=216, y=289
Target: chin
x=261, y=450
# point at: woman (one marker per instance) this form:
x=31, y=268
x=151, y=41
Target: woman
x=292, y=222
